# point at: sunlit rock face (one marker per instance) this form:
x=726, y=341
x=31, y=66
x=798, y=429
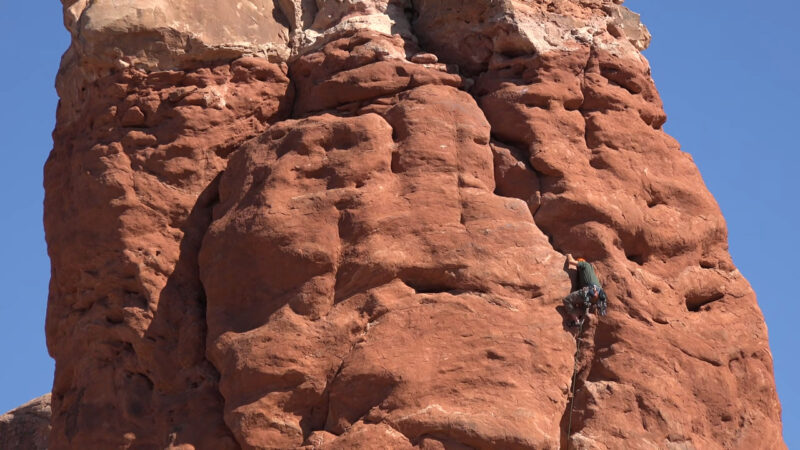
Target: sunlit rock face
x=343, y=224
x=26, y=427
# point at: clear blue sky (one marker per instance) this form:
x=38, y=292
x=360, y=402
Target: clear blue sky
x=728, y=75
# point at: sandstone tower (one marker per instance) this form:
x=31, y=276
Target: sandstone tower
x=343, y=224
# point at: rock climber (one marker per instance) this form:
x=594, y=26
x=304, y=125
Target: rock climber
x=590, y=293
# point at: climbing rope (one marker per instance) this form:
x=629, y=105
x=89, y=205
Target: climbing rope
x=574, y=375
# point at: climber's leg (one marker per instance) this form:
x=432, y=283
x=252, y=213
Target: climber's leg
x=575, y=305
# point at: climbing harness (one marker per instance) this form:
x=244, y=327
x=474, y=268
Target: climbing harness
x=574, y=376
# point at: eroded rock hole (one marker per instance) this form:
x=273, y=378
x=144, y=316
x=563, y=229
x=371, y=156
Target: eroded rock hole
x=707, y=264
x=395, y=165
x=637, y=258
x=495, y=356
x=358, y=41
x=696, y=301
x=425, y=288
x=599, y=163
x=115, y=318
x=277, y=134
x=343, y=139
x=431, y=281
x=618, y=76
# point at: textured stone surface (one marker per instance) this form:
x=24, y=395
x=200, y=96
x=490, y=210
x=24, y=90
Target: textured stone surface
x=156, y=34
x=330, y=224
x=27, y=427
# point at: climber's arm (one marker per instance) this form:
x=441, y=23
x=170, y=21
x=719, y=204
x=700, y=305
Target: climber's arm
x=571, y=262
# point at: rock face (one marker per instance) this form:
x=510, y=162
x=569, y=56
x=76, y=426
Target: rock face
x=342, y=224
x=27, y=427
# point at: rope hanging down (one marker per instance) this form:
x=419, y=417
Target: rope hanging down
x=574, y=376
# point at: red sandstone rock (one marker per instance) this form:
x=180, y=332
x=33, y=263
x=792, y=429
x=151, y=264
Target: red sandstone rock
x=26, y=427
x=357, y=246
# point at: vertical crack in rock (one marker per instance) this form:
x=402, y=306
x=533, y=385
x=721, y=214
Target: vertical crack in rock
x=568, y=415
x=177, y=333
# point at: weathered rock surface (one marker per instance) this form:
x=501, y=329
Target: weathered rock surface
x=27, y=427
x=330, y=224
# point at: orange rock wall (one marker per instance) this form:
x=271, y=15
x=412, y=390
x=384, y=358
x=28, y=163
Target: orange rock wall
x=357, y=240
